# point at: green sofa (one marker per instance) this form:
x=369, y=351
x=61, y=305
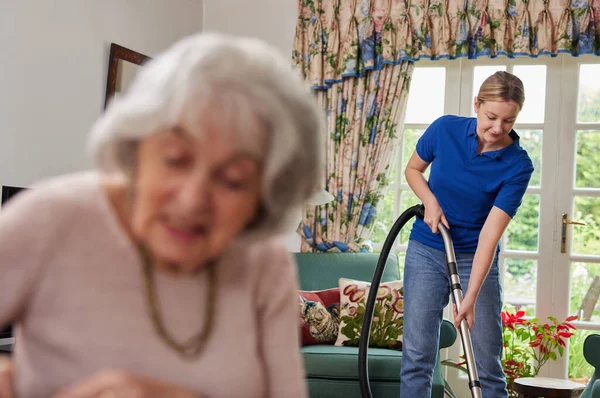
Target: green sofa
x=332, y=371
x=591, y=352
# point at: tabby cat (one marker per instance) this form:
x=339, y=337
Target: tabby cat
x=322, y=322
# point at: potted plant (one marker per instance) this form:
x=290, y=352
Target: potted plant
x=528, y=345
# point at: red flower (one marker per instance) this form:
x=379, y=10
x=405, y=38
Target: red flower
x=510, y=320
x=383, y=292
x=356, y=295
x=398, y=305
x=350, y=288
x=528, y=342
x=352, y=311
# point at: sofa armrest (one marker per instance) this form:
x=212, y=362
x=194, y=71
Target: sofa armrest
x=592, y=390
x=447, y=334
x=596, y=389
x=591, y=350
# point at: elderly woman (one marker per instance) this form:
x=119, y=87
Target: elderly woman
x=159, y=274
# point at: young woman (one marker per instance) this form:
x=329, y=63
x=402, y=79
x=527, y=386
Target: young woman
x=479, y=174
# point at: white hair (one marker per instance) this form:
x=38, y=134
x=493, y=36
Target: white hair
x=248, y=80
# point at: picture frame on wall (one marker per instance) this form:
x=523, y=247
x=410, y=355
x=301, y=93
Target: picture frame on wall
x=8, y=192
x=6, y=334
x=123, y=65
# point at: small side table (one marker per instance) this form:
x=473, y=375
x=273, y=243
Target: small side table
x=547, y=387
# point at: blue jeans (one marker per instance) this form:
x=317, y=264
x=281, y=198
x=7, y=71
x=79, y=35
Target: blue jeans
x=426, y=293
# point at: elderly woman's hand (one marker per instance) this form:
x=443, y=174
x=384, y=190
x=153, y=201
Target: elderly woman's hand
x=6, y=377
x=115, y=384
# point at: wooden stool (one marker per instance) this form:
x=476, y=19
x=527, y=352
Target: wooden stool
x=534, y=387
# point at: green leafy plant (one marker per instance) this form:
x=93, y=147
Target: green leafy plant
x=455, y=365
x=528, y=345
x=580, y=370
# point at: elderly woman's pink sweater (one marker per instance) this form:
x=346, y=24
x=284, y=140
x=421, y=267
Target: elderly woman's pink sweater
x=72, y=280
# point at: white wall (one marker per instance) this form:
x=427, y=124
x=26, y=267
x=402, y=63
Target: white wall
x=53, y=65
x=271, y=20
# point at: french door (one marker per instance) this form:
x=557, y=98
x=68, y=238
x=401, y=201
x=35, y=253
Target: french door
x=572, y=284
x=550, y=264
x=550, y=259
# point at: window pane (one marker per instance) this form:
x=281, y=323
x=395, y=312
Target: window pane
x=480, y=73
x=385, y=216
x=409, y=144
x=589, y=94
x=585, y=280
x=585, y=239
x=426, y=95
x=531, y=141
x=522, y=232
x=534, y=82
x=401, y=260
x=385, y=211
x=579, y=369
x=407, y=199
x=519, y=285
x=587, y=173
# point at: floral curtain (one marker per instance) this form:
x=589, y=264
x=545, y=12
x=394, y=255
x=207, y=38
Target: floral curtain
x=392, y=31
x=364, y=98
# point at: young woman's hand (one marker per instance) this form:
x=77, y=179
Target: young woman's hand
x=6, y=377
x=467, y=311
x=115, y=384
x=417, y=182
x=433, y=216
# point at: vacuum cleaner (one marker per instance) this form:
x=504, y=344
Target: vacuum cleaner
x=465, y=335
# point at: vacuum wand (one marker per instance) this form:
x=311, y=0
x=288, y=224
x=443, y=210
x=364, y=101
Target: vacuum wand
x=457, y=295
x=465, y=334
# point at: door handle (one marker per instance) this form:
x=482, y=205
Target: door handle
x=563, y=238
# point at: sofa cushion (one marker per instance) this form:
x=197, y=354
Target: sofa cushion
x=388, y=314
x=320, y=271
x=325, y=361
x=324, y=381
x=320, y=316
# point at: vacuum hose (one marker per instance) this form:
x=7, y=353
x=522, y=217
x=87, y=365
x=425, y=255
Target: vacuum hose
x=363, y=345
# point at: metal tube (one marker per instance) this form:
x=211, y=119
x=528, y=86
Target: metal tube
x=363, y=372
x=465, y=334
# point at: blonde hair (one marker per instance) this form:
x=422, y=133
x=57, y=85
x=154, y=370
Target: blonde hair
x=247, y=80
x=502, y=86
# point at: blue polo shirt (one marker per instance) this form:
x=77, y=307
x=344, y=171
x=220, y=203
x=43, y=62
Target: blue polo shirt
x=468, y=184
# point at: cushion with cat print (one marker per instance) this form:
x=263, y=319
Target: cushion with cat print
x=319, y=316
x=388, y=315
